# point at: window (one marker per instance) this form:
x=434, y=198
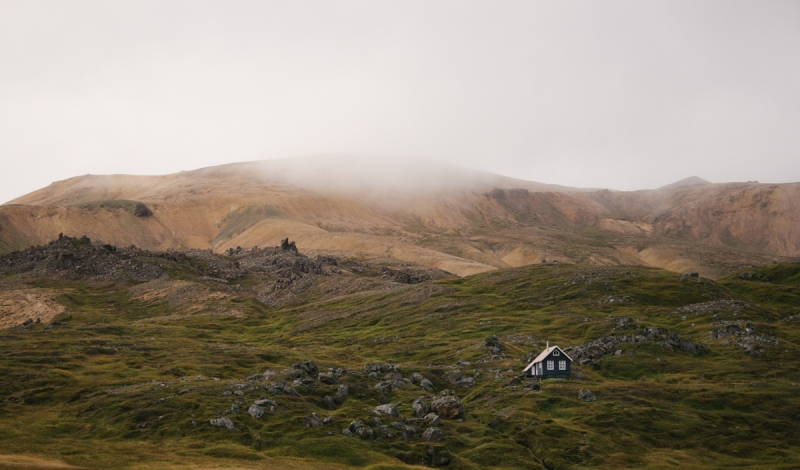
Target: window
x=562, y=365
x=550, y=365
x=540, y=368
x=556, y=353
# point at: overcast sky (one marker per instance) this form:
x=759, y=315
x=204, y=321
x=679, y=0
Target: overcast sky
x=625, y=95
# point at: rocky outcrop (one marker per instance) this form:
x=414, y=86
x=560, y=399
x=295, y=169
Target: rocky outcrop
x=591, y=351
x=743, y=334
x=224, y=423
x=448, y=407
x=586, y=396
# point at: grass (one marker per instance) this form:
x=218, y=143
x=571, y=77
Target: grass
x=102, y=390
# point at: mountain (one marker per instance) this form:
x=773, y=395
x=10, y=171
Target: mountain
x=455, y=219
x=690, y=181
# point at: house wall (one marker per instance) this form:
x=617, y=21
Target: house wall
x=555, y=372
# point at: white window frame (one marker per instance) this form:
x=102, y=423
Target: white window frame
x=562, y=365
x=551, y=365
x=556, y=353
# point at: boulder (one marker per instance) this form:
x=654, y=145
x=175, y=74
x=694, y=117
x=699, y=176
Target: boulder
x=341, y=392
x=384, y=387
x=312, y=421
x=224, y=423
x=448, y=407
x=355, y=424
x=452, y=377
x=387, y=410
x=384, y=431
x=265, y=402
x=586, y=396
x=380, y=367
x=432, y=435
x=426, y=385
x=347, y=432
x=328, y=378
x=308, y=368
x=255, y=411
x=421, y=408
x=466, y=382
x=432, y=419
x=365, y=432
x=328, y=402
x=416, y=377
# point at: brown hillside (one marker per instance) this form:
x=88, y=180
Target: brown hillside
x=450, y=218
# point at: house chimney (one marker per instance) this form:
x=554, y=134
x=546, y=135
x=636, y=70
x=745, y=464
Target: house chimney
x=548, y=345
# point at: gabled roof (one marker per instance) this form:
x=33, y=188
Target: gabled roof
x=544, y=354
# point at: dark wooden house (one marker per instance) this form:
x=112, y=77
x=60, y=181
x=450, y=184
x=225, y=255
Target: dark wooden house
x=552, y=362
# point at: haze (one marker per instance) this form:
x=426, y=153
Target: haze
x=625, y=95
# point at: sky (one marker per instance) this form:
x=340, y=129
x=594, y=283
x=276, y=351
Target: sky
x=618, y=94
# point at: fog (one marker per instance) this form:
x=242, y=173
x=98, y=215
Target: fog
x=625, y=95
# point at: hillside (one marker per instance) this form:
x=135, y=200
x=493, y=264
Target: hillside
x=139, y=358
x=450, y=218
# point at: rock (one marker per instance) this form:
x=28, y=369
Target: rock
x=355, y=424
x=387, y=409
x=227, y=393
x=447, y=407
x=409, y=430
x=416, y=377
x=234, y=408
x=535, y=385
x=184, y=391
x=494, y=345
x=341, y=392
x=365, y=432
x=347, y=432
x=328, y=402
x=384, y=431
x=239, y=393
x=586, y=396
x=223, y=423
x=381, y=367
x=327, y=420
x=512, y=382
x=618, y=352
x=328, y=378
x=452, y=377
x=426, y=385
x=308, y=368
x=281, y=388
x=255, y=411
x=432, y=419
x=384, y=387
x=432, y=435
x=375, y=421
x=393, y=376
x=286, y=245
x=312, y=421
x=265, y=402
x=466, y=382
x=141, y=210
x=421, y=408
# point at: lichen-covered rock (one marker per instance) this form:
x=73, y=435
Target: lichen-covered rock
x=255, y=411
x=432, y=419
x=448, y=407
x=387, y=410
x=365, y=432
x=420, y=407
x=312, y=421
x=328, y=402
x=586, y=395
x=426, y=385
x=224, y=423
x=384, y=387
x=432, y=435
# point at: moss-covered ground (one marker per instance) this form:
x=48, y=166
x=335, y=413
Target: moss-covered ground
x=114, y=385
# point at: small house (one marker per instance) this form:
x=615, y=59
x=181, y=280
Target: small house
x=552, y=362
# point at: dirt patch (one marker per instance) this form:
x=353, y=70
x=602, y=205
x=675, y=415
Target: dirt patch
x=19, y=305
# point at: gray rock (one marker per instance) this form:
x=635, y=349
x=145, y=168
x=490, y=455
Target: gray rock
x=466, y=382
x=381, y=367
x=420, y=407
x=223, y=423
x=312, y=421
x=384, y=431
x=375, y=421
x=328, y=402
x=265, y=402
x=447, y=407
x=238, y=393
x=452, y=377
x=227, y=393
x=234, y=408
x=432, y=419
x=255, y=411
x=365, y=432
x=409, y=430
x=355, y=424
x=416, y=377
x=387, y=410
x=347, y=432
x=384, y=387
x=426, y=385
x=432, y=435
x=328, y=378
x=512, y=382
x=308, y=368
x=586, y=395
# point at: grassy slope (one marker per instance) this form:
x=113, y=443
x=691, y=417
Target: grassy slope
x=61, y=395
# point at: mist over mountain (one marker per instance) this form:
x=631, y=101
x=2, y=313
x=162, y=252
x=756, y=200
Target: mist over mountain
x=453, y=218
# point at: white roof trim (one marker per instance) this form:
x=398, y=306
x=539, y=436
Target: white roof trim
x=544, y=354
